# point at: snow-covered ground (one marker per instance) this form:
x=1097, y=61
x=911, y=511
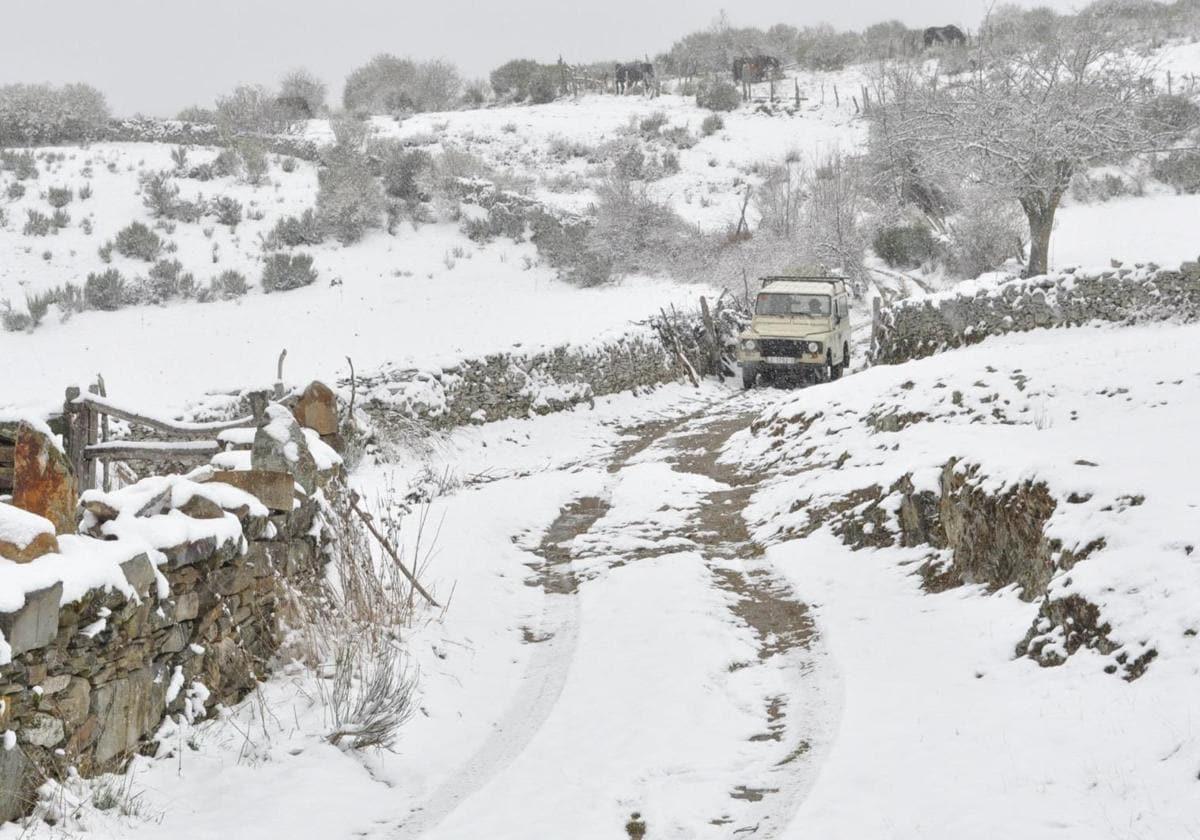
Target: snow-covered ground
x=651, y=668
x=637, y=674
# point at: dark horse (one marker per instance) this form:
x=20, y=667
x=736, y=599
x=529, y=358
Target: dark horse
x=753, y=69
x=633, y=73
x=951, y=36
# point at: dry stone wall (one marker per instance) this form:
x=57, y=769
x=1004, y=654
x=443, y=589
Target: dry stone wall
x=510, y=385
x=918, y=328
x=165, y=599
x=89, y=680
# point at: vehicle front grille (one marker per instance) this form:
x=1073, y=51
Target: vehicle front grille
x=781, y=347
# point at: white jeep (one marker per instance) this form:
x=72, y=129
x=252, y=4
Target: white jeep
x=801, y=328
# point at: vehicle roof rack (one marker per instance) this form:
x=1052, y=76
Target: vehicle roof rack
x=779, y=278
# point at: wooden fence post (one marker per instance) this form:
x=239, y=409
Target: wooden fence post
x=77, y=434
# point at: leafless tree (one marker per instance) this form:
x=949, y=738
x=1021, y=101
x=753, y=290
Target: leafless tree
x=1024, y=123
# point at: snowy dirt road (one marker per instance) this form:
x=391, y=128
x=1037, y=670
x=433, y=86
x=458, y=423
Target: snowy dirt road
x=671, y=675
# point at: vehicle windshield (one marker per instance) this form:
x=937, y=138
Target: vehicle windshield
x=778, y=303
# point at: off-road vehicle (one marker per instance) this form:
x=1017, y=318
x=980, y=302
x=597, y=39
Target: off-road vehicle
x=801, y=330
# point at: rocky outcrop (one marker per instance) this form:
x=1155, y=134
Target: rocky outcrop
x=912, y=329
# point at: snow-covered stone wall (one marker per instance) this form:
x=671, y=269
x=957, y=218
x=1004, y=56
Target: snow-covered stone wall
x=167, y=602
x=515, y=384
x=912, y=329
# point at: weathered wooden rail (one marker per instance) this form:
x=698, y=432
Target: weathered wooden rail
x=88, y=446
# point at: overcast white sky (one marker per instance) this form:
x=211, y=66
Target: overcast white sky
x=157, y=56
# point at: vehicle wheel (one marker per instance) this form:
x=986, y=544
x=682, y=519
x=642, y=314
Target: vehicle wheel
x=749, y=374
x=831, y=370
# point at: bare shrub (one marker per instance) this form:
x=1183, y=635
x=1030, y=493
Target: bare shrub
x=349, y=632
x=780, y=197
x=984, y=234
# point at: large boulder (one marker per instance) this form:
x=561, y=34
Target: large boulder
x=280, y=446
x=42, y=479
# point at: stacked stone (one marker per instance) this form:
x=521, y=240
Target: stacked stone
x=90, y=680
x=915, y=329
x=514, y=385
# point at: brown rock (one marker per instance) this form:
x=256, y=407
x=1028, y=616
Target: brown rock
x=42, y=479
x=198, y=507
x=317, y=409
x=41, y=544
x=274, y=489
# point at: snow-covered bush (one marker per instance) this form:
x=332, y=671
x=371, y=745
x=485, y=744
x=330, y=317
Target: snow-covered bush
x=284, y=272
x=294, y=231
x=228, y=210
x=250, y=109
x=226, y=164
x=1172, y=114
x=228, y=285
x=166, y=280
x=349, y=199
x=718, y=96
x=513, y=79
x=161, y=197
x=23, y=165
x=543, y=88
x=13, y=320
x=904, y=245
x=475, y=93
x=59, y=196
x=254, y=160
x=41, y=114
x=15, y=190
x=137, y=241
x=387, y=84
x=822, y=47
x=1179, y=169
x=301, y=95
x=104, y=291
x=37, y=224
x=650, y=125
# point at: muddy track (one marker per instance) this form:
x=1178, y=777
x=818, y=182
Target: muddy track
x=757, y=601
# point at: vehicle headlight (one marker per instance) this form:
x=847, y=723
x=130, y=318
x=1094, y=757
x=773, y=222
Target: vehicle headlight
x=814, y=347
x=749, y=344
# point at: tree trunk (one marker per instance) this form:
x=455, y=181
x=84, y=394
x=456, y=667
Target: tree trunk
x=1040, y=213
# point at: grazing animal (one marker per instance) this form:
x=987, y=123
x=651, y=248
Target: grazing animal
x=949, y=35
x=634, y=73
x=753, y=69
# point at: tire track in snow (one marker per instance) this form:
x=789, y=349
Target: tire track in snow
x=764, y=605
